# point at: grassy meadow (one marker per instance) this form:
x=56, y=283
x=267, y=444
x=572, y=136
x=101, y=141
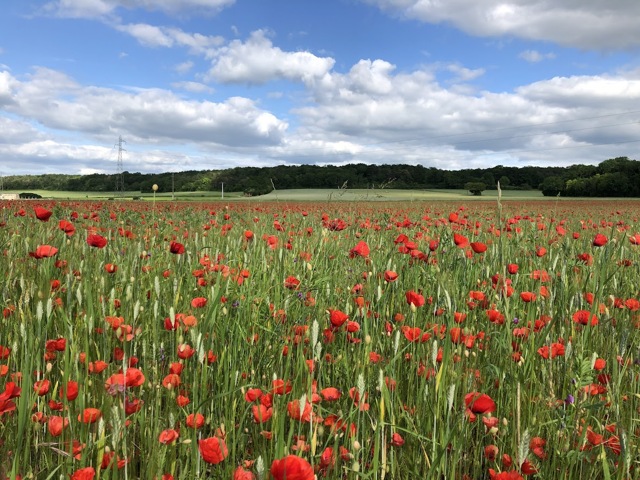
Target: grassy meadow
x=301, y=195
x=326, y=334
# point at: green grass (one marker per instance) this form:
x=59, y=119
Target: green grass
x=304, y=195
x=260, y=330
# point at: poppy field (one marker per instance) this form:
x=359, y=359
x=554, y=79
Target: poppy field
x=320, y=340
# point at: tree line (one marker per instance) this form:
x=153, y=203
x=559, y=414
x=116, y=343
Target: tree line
x=614, y=177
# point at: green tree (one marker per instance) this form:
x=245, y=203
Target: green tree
x=475, y=188
x=552, y=186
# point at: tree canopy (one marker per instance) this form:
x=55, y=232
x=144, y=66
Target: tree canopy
x=618, y=176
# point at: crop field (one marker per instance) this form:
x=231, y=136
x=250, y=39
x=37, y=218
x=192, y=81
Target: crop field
x=423, y=338
x=301, y=195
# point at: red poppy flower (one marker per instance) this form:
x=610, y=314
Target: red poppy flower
x=86, y=473
x=390, y=276
x=110, y=268
x=42, y=214
x=557, y=350
x=460, y=240
x=536, y=445
x=397, y=440
x=292, y=467
x=600, y=240
x=133, y=378
x=261, y=413
x=70, y=391
x=195, y=420
x=44, y=251
x=291, y=282
x=171, y=381
x=304, y=415
x=330, y=394
x=411, y=333
x=97, y=241
x=253, y=394
x=176, y=248
x=585, y=317
x=528, y=296
x=90, y=415
x=511, y=475
x=479, y=402
x=56, y=425
x=491, y=452
x=280, y=387
x=360, y=250
x=41, y=387
x=495, y=317
x=512, y=268
x=459, y=317
x=478, y=247
x=67, y=227
x=240, y=473
x=213, y=450
x=414, y=298
x=198, y=302
x=98, y=366
x=337, y=318
x=168, y=436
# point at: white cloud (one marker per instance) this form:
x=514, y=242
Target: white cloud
x=7, y=86
x=149, y=116
x=184, y=67
x=257, y=61
x=148, y=35
x=587, y=24
x=16, y=131
x=463, y=74
x=194, y=87
x=104, y=8
x=533, y=56
x=410, y=117
x=154, y=36
x=371, y=113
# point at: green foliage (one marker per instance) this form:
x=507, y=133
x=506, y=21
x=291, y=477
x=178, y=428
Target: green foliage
x=476, y=188
x=618, y=177
x=552, y=186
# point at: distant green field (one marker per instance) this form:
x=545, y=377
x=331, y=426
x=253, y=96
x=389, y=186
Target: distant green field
x=390, y=195
x=309, y=195
x=160, y=196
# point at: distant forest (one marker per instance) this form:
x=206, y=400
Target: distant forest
x=616, y=177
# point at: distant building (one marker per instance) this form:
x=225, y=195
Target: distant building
x=9, y=196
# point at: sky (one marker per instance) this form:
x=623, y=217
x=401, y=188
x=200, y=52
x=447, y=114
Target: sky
x=215, y=84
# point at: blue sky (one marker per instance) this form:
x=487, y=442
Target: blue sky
x=211, y=84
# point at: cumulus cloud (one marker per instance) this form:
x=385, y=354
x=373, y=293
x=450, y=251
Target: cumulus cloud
x=410, y=117
x=533, y=56
x=258, y=61
x=587, y=24
x=56, y=101
x=194, y=87
x=154, y=36
x=103, y=8
x=370, y=113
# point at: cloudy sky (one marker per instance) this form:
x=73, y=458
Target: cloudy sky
x=212, y=84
